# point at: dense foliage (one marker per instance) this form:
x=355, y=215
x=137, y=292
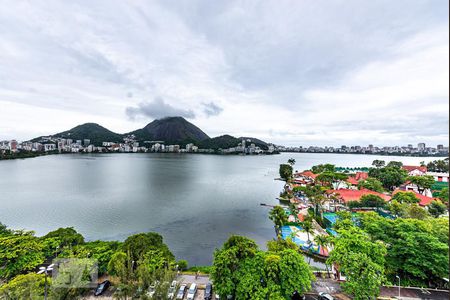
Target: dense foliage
x=360, y=259
x=438, y=166
x=243, y=271
x=417, y=250
x=372, y=184
x=390, y=176
x=286, y=172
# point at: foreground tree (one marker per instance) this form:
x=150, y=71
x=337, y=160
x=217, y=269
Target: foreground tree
x=244, y=272
x=418, y=250
x=28, y=286
x=19, y=252
x=361, y=260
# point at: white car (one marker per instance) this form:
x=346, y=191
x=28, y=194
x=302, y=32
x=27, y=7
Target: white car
x=191, y=292
x=152, y=289
x=172, y=289
x=181, y=291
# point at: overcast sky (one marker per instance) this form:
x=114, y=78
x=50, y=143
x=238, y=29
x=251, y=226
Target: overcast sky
x=289, y=72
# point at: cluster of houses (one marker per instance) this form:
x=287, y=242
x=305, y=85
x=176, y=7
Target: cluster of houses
x=347, y=191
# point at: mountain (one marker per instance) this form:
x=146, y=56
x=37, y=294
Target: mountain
x=223, y=141
x=171, y=130
x=92, y=131
x=228, y=141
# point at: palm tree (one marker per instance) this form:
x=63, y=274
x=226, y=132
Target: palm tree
x=323, y=241
x=291, y=161
x=308, y=227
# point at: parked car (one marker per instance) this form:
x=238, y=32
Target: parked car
x=325, y=296
x=152, y=289
x=191, y=292
x=208, y=291
x=102, y=287
x=181, y=292
x=172, y=289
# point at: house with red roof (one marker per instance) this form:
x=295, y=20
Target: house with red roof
x=305, y=177
x=424, y=200
x=359, y=176
x=348, y=195
x=415, y=170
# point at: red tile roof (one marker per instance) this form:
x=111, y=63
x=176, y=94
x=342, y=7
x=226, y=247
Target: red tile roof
x=424, y=200
x=357, y=177
x=348, y=195
x=361, y=176
x=412, y=168
x=307, y=174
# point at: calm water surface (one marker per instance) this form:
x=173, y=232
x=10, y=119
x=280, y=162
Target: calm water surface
x=194, y=201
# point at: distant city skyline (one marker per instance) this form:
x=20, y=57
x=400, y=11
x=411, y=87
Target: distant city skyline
x=291, y=73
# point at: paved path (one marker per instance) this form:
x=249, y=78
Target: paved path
x=201, y=280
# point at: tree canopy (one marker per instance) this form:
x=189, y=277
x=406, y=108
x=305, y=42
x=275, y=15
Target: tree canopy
x=389, y=176
x=372, y=184
x=243, y=271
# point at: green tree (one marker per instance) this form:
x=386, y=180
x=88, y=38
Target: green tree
x=182, y=264
x=323, y=241
x=405, y=197
x=139, y=244
x=291, y=161
x=286, y=172
x=436, y=208
x=443, y=195
x=390, y=177
x=370, y=200
x=278, y=217
x=361, y=260
x=19, y=253
x=323, y=168
x=258, y=275
x=378, y=163
x=24, y=287
x=67, y=236
x=117, y=266
x=332, y=179
x=372, y=184
x=417, y=249
x=414, y=211
x=398, y=209
x=422, y=182
x=307, y=227
x=395, y=164
x=438, y=166
x=227, y=262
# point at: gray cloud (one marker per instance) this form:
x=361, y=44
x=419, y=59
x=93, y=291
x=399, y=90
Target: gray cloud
x=211, y=109
x=157, y=109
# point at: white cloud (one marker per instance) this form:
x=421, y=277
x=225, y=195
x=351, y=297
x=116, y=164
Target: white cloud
x=289, y=72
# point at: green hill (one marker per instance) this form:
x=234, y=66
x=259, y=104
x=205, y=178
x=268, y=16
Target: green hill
x=92, y=131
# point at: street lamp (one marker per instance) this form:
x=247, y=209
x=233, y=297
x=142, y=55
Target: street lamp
x=398, y=277
x=45, y=271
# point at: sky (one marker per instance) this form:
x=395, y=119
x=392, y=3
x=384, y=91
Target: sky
x=322, y=72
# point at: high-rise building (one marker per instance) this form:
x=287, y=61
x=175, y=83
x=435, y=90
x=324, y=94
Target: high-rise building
x=440, y=147
x=421, y=146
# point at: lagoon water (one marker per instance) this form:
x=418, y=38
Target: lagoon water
x=194, y=201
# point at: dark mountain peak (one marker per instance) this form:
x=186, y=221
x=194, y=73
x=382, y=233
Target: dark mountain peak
x=172, y=130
